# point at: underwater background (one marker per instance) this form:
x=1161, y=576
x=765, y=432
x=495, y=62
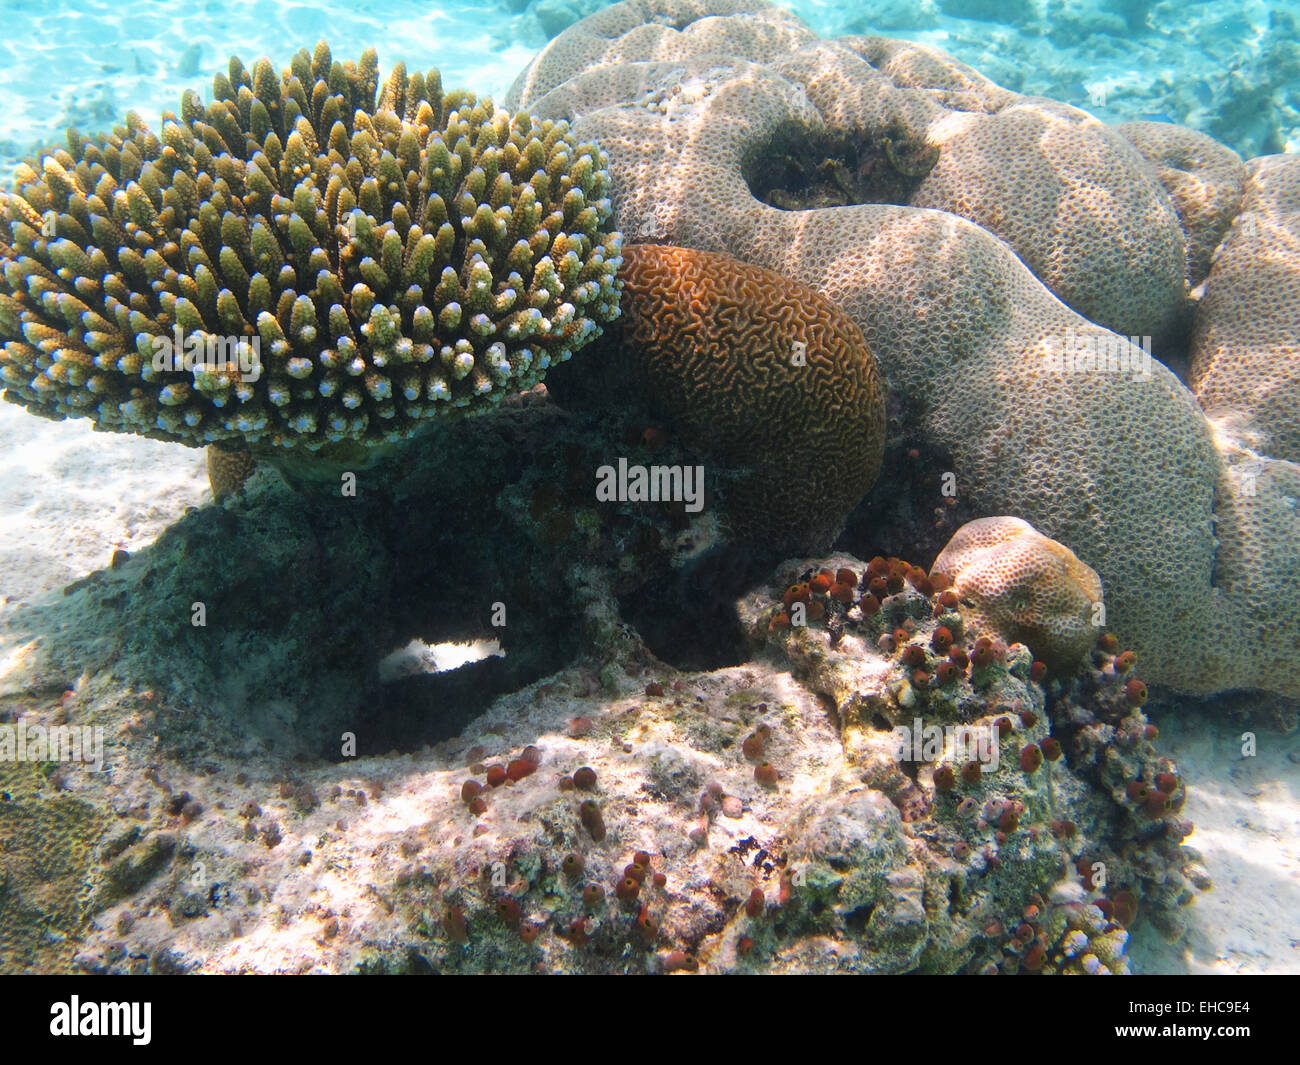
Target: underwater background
x=303, y=866
x=1230, y=70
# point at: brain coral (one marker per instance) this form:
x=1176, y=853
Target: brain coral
x=337, y=263
x=1015, y=582
x=1246, y=339
x=1120, y=465
x=761, y=373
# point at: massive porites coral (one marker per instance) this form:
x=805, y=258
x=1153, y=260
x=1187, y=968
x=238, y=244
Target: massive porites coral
x=1246, y=342
x=712, y=114
x=1073, y=198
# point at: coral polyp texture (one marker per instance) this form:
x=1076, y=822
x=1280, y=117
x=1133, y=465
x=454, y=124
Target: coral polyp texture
x=715, y=115
x=761, y=373
x=308, y=260
x=1073, y=198
x=1014, y=582
x=1204, y=179
x=1246, y=342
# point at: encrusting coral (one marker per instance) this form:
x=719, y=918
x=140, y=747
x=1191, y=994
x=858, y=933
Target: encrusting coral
x=48, y=878
x=762, y=374
x=306, y=263
x=1065, y=796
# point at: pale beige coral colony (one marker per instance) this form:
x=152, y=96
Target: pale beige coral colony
x=967, y=292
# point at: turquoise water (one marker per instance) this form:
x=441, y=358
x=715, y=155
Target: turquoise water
x=1232, y=70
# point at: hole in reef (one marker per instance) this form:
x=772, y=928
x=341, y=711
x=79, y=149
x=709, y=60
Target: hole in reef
x=688, y=617
x=956, y=902
x=418, y=658
x=797, y=172
x=856, y=920
x=422, y=707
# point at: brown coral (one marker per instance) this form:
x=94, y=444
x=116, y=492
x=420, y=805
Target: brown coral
x=228, y=469
x=764, y=375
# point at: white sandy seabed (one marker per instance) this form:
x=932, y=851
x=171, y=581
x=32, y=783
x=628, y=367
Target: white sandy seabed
x=69, y=497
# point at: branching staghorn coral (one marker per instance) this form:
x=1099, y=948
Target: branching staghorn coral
x=306, y=263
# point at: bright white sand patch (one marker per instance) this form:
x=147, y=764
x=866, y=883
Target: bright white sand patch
x=70, y=497
x=1247, y=817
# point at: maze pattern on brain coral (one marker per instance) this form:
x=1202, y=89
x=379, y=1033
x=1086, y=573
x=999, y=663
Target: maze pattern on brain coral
x=716, y=341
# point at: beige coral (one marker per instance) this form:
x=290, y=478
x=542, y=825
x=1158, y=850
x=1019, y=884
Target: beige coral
x=1074, y=199
x=1017, y=583
x=638, y=30
x=1205, y=180
x=1122, y=466
x=1246, y=342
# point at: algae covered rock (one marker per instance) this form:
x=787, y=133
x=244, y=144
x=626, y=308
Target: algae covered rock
x=855, y=880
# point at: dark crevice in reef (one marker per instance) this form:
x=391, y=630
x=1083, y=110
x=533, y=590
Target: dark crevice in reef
x=906, y=513
x=688, y=617
x=797, y=172
x=306, y=590
x=425, y=709
x=858, y=920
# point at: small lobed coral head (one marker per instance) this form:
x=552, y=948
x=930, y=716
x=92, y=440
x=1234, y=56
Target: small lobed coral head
x=1013, y=581
x=307, y=261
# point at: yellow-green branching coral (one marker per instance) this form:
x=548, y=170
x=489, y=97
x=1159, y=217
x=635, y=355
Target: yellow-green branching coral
x=309, y=260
